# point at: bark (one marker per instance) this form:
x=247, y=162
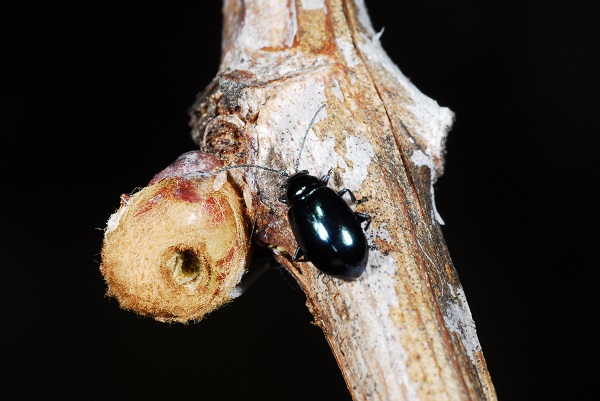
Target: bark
x=403, y=331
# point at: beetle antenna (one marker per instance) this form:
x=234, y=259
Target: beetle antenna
x=272, y=170
x=306, y=135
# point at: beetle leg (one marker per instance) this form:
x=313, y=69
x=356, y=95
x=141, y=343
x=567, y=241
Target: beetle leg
x=362, y=217
x=282, y=199
x=325, y=178
x=352, y=197
x=299, y=255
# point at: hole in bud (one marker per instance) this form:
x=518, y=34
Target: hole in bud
x=185, y=265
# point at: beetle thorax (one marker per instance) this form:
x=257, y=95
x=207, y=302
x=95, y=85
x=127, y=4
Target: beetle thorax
x=300, y=185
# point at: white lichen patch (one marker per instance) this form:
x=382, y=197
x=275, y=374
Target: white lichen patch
x=303, y=98
x=313, y=5
x=458, y=319
x=320, y=150
x=268, y=26
x=320, y=154
x=377, y=314
x=383, y=233
x=348, y=51
x=418, y=158
x=292, y=26
x=360, y=153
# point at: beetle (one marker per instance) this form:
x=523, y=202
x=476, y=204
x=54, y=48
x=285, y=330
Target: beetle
x=329, y=233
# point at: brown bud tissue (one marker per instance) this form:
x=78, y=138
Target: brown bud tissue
x=177, y=249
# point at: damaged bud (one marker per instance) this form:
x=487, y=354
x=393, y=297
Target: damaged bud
x=177, y=249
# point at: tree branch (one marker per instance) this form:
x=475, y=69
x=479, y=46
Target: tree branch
x=403, y=330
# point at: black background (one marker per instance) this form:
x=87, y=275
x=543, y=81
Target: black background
x=94, y=102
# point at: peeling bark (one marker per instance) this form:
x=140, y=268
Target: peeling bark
x=403, y=331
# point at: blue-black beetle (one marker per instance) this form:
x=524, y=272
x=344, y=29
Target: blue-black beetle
x=329, y=233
